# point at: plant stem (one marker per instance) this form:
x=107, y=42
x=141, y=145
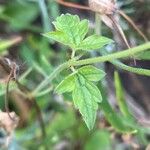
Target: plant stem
x=98, y=24
x=45, y=18
x=50, y=78
x=117, y=55
x=109, y=57
x=72, y=56
x=139, y=71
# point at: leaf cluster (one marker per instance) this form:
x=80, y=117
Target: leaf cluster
x=72, y=32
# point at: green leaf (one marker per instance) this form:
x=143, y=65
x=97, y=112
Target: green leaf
x=21, y=15
x=120, y=96
x=82, y=29
x=59, y=37
x=118, y=122
x=66, y=21
x=67, y=85
x=86, y=97
x=72, y=27
x=91, y=73
x=71, y=31
x=94, y=42
x=99, y=140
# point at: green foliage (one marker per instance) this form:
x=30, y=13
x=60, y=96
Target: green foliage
x=62, y=124
x=94, y=42
x=86, y=95
x=71, y=31
x=67, y=85
x=100, y=140
x=115, y=119
x=91, y=73
x=120, y=96
x=20, y=15
x=4, y=44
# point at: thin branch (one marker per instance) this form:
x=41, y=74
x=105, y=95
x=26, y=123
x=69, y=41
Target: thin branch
x=73, y=5
x=131, y=22
x=7, y=92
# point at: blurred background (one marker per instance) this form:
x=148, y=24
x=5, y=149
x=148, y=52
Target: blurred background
x=49, y=121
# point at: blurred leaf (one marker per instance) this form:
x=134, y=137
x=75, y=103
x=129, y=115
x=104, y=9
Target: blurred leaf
x=94, y=42
x=99, y=140
x=4, y=44
x=20, y=15
x=60, y=124
x=113, y=118
x=120, y=96
x=27, y=54
x=54, y=9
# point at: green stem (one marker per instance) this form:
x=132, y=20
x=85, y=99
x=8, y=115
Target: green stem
x=139, y=71
x=50, y=78
x=109, y=57
x=72, y=56
x=45, y=16
x=98, y=24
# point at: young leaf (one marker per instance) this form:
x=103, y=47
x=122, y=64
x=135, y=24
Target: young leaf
x=72, y=26
x=65, y=22
x=94, y=42
x=91, y=73
x=86, y=96
x=67, y=85
x=74, y=29
x=59, y=36
x=71, y=31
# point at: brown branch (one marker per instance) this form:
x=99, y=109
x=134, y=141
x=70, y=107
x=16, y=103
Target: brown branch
x=7, y=92
x=131, y=22
x=26, y=91
x=10, y=69
x=73, y=5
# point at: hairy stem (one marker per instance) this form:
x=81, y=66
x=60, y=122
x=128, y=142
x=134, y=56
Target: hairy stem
x=109, y=57
x=117, y=55
x=139, y=71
